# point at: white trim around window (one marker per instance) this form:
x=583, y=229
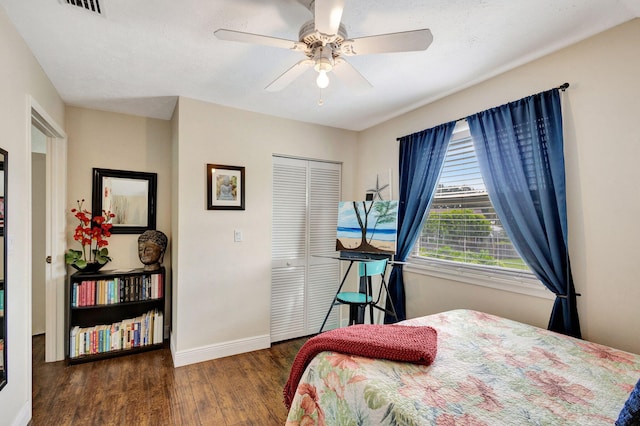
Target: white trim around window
x=497, y=278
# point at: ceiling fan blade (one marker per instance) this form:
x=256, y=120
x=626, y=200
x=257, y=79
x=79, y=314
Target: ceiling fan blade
x=406, y=41
x=350, y=76
x=328, y=14
x=289, y=75
x=231, y=35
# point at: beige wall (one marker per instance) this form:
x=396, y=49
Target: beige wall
x=224, y=288
x=602, y=147
x=98, y=139
x=175, y=210
x=20, y=77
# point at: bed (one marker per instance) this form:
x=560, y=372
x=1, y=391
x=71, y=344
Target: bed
x=487, y=371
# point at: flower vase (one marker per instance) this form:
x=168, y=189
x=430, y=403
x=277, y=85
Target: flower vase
x=91, y=267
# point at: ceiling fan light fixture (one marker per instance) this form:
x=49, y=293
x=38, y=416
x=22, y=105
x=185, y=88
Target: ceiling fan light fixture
x=323, y=56
x=323, y=65
x=323, y=79
x=324, y=42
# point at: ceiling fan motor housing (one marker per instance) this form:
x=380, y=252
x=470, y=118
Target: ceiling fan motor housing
x=312, y=38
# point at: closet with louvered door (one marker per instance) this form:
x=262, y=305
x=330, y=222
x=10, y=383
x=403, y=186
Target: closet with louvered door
x=306, y=194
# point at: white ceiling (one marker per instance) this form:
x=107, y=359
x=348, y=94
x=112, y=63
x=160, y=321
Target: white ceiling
x=144, y=53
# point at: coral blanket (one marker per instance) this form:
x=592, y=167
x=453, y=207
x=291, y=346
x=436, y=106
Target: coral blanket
x=417, y=345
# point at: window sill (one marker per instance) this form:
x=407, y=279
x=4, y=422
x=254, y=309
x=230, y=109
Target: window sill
x=515, y=282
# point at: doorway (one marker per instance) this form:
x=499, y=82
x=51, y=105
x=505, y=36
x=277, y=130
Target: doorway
x=52, y=234
x=38, y=230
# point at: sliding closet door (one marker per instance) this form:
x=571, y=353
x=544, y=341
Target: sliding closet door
x=305, y=209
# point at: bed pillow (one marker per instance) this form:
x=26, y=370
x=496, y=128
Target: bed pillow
x=630, y=414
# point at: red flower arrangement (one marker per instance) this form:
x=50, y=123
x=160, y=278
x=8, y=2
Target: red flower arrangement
x=92, y=233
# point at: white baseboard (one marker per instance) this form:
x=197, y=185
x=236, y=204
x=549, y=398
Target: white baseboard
x=24, y=416
x=219, y=350
x=172, y=347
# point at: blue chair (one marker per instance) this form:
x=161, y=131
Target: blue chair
x=358, y=301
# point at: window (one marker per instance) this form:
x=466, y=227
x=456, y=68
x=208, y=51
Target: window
x=462, y=237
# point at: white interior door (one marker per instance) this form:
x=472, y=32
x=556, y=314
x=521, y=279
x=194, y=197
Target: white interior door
x=288, y=248
x=305, y=207
x=323, y=275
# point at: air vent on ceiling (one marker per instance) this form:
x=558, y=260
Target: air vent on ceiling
x=88, y=5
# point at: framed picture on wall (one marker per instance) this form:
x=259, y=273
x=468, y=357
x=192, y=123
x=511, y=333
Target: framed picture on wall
x=225, y=187
x=130, y=196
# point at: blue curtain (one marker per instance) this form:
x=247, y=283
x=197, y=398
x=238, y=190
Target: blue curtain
x=520, y=152
x=421, y=158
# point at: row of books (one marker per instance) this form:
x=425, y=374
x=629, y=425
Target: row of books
x=147, y=329
x=117, y=290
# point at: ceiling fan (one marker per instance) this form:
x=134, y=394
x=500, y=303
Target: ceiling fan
x=324, y=42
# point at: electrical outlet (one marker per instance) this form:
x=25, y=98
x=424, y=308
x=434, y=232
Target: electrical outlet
x=237, y=235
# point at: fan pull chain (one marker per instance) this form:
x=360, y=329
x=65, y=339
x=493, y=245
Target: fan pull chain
x=320, y=101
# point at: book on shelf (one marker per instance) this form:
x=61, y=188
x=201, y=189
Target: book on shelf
x=117, y=290
x=146, y=329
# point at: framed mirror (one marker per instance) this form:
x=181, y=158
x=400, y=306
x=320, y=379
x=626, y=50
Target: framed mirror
x=130, y=196
x=3, y=268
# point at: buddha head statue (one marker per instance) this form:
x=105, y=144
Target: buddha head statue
x=151, y=247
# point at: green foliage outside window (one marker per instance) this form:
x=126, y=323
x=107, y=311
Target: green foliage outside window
x=464, y=235
x=456, y=224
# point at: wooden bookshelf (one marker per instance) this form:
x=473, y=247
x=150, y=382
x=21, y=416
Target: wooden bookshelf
x=113, y=313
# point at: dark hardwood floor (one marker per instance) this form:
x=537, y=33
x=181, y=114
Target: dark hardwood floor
x=145, y=389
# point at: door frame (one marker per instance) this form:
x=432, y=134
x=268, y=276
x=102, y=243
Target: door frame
x=55, y=238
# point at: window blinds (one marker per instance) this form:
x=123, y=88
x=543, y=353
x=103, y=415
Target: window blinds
x=462, y=225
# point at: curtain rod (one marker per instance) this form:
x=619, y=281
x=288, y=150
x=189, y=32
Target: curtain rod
x=563, y=87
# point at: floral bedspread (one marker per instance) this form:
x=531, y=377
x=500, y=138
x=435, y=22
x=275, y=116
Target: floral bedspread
x=488, y=371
